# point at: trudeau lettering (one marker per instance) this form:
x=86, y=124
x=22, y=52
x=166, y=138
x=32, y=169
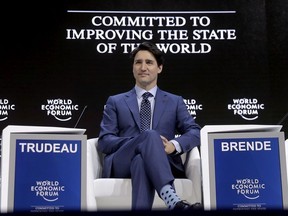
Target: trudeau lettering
x=31, y=147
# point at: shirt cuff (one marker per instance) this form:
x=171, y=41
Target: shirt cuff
x=177, y=146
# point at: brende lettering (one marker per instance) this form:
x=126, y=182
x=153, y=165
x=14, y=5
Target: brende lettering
x=246, y=146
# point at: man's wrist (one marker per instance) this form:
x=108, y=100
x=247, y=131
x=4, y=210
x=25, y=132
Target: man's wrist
x=177, y=146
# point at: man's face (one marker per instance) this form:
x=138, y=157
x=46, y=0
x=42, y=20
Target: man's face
x=146, y=69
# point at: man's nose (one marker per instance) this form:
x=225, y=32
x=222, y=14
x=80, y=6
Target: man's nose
x=143, y=66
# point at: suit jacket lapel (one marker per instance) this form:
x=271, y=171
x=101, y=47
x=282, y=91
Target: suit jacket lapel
x=160, y=106
x=131, y=100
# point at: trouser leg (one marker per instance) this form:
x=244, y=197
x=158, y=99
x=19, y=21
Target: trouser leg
x=155, y=160
x=155, y=163
x=143, y=191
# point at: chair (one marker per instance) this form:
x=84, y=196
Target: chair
x=115, y=193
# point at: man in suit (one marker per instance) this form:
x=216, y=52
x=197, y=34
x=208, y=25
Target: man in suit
x=149, y=156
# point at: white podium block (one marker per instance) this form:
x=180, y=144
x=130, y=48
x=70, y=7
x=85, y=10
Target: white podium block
x=43, y=169
x=244, y=167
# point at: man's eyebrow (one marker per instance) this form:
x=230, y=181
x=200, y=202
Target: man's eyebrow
x=150, y=60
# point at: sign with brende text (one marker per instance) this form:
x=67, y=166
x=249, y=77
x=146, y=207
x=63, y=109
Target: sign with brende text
x=250, y=171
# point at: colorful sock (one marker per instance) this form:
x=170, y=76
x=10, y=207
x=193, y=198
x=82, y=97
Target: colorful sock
x=169, y=196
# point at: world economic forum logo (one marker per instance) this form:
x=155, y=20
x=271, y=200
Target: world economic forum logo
x=5, y=108
x=247, y=108
x=192, y=107
x=60, y=109
x=249, y=188
x=48, y=190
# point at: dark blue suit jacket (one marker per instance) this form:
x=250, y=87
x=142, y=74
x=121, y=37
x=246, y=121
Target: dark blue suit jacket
x=121, y=122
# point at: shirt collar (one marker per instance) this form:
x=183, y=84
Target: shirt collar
x=140, y=91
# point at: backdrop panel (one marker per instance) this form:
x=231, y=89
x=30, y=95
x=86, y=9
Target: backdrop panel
x=226, y=58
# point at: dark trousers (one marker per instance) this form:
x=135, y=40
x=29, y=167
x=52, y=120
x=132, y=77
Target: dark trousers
x=144, y=160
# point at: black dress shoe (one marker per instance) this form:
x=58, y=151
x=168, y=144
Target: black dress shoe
x=184, y=205
x=197, y=206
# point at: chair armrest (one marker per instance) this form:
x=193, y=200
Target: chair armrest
x=94, y=170
x=94, y=160
x=193, y=171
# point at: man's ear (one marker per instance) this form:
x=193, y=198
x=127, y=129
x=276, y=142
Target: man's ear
x=160, y=68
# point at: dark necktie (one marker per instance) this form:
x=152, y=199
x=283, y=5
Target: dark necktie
x=145, y=112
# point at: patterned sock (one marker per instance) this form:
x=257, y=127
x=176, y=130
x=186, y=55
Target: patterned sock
x=169, y=196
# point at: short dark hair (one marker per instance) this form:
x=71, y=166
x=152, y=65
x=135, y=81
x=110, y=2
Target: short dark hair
x=152, y=48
